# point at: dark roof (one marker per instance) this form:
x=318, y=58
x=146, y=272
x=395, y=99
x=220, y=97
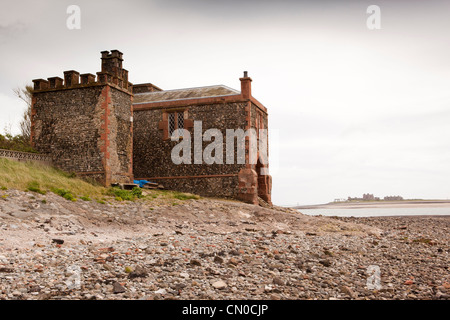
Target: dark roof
x=182, y=94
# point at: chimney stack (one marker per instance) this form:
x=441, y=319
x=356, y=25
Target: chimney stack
x=246, y=86
x=112, y=62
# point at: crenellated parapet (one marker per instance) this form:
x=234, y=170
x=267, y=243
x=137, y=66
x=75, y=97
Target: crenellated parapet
x=111, y=74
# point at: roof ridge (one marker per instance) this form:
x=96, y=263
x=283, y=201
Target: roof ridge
x=180, y=89
x=180, y=99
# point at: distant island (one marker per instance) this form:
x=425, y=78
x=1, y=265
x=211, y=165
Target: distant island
x=370, y=197
x=369, y=200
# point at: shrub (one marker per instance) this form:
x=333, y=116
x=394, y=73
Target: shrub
x=16, y=143
x=137, y=192
x=121, y=194
x=85, y=198
x=34, y=187
x=65, y=194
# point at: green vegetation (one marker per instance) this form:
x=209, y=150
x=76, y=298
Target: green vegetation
x=16, y=143
x=41, y=179
x=20, y=142
x=128, y=270
x=184, y=196
x=121, y=194
x=66, y=194
x=34, y=187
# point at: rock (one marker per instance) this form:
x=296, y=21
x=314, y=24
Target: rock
x=161, y=291
x=195, y=262
x=21, y=214
x=233, y=261
x=139, y=272
x=299, y=264
x=219, y=285
x=325, y=263
x=278, y=281
x=218, y=259
x=346, y=290
x=58, y=241
x=16, y=293
x=118, y=288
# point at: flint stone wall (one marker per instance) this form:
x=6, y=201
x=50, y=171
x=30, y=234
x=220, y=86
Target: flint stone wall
x=69, y=127
x=66, y=127
x=152, y=154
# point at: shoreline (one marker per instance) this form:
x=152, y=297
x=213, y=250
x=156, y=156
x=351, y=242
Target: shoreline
x=209, y=249
x=380, y=204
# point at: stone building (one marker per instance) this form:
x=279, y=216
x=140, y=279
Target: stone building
x=110, y=130
x=84, y=123
x=368, y=197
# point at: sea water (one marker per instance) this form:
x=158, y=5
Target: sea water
x=378, y=212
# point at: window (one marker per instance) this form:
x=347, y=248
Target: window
x=175, y=122
x=171, y=122
x=180, y=123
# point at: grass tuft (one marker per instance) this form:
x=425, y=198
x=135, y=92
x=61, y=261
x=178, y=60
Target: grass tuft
x=121, y=194
x=66, y=194
x=34, y=187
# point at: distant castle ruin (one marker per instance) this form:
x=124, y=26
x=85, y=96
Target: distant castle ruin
x=371, y=197
x=105, y=128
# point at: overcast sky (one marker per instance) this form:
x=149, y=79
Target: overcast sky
x=352, y=110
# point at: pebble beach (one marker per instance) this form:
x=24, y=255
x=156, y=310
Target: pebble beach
x=52, y=248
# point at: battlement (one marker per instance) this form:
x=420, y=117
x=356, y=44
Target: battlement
x=112, y=73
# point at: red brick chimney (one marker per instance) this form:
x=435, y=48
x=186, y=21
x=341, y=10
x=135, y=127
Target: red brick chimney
x=246, y=86
x=112, y=63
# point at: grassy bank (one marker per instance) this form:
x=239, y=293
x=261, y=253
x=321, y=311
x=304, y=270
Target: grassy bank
x=28, y=176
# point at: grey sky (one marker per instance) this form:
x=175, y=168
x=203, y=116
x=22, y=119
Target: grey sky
x=355, y=110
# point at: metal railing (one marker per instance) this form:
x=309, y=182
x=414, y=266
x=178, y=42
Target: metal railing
x=25, y=156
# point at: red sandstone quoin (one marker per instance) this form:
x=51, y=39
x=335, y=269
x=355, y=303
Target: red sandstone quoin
x=112, y=131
